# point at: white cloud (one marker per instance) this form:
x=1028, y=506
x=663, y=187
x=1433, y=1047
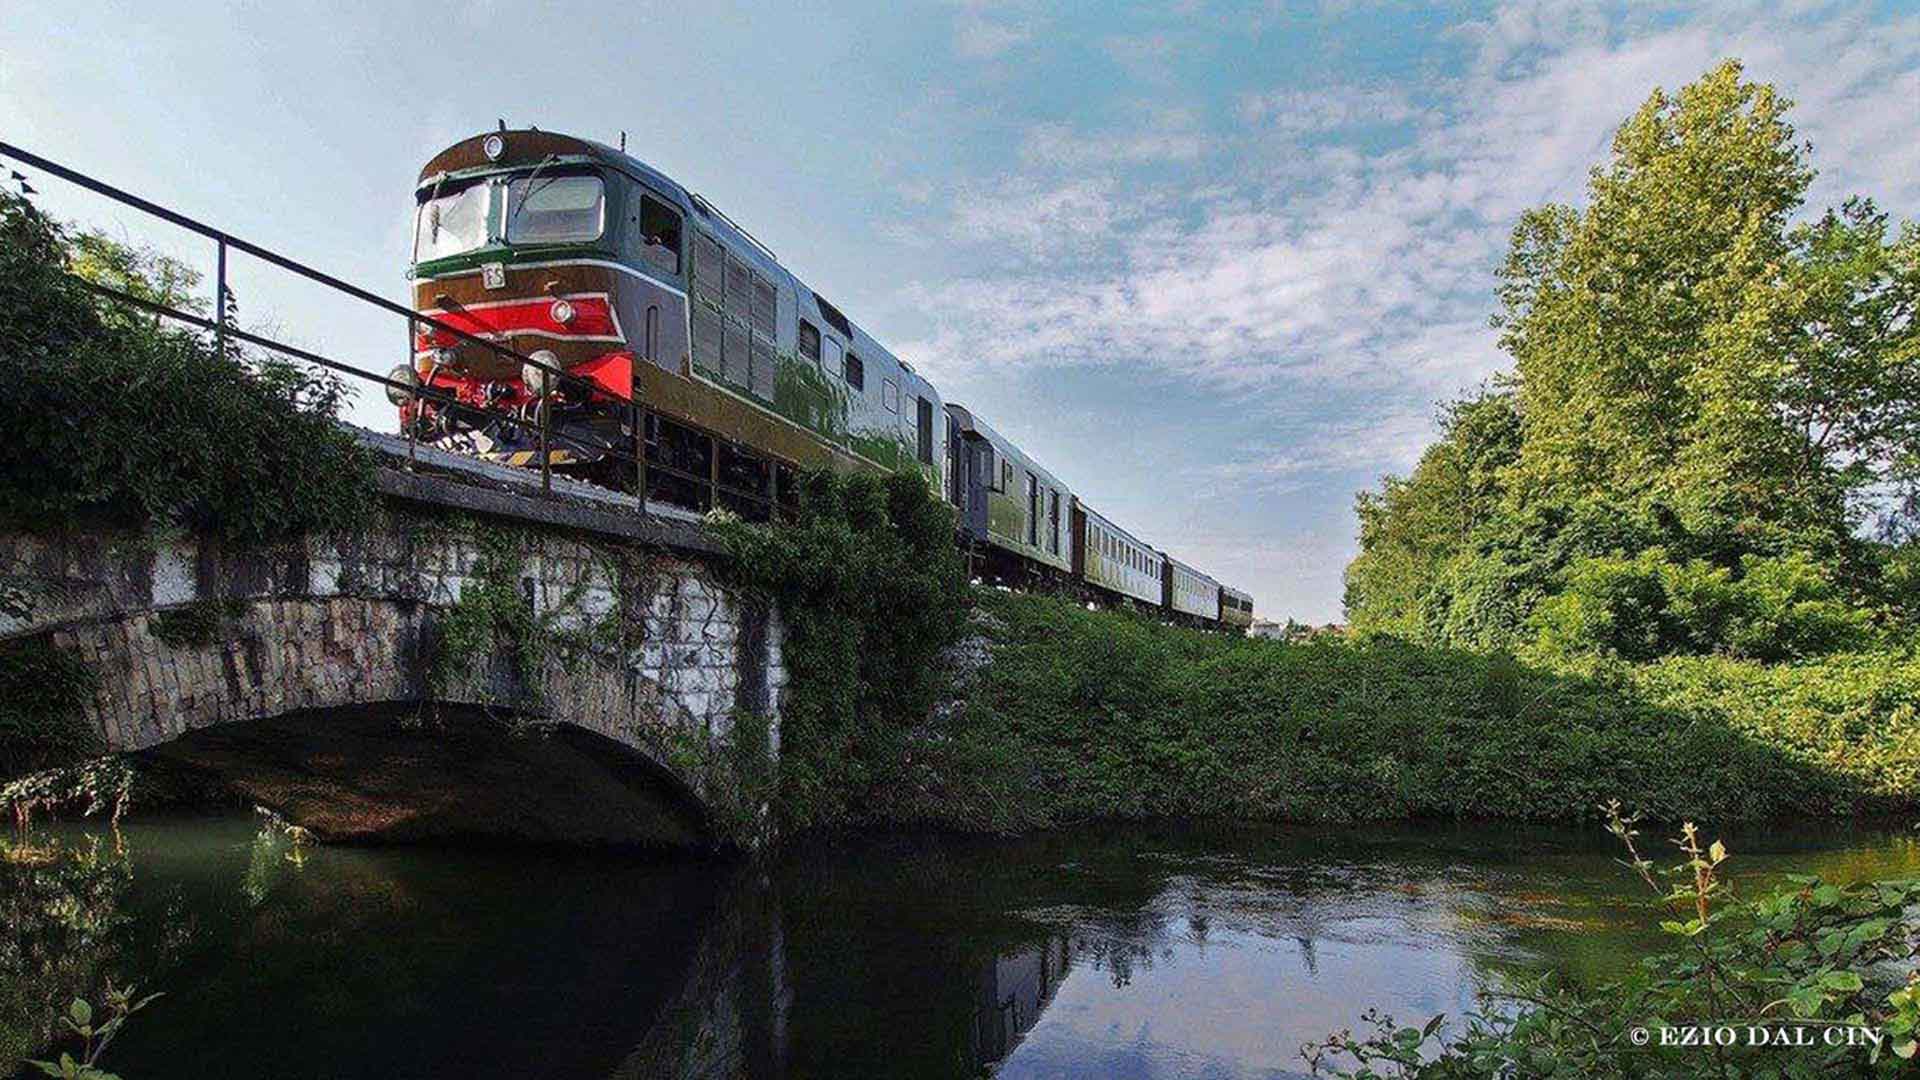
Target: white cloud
x=1391, y=442
x=1297, y=112
x=1037, y=219
x=1062, y=146
x=1369, y=264
x=985, y=31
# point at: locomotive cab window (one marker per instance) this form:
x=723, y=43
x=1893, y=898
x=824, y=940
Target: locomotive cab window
x=555, y=209
x=809, y=341
x=451, y=222
x=658, y=237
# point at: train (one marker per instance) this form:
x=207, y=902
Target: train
x=680, y=332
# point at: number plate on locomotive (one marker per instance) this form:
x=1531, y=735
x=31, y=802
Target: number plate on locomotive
x=493, y=275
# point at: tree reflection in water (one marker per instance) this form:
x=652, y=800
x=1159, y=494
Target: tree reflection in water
x=1143, y=950
x=66, y=932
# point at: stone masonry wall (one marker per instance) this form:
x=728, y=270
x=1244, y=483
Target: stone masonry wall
x=185, y=634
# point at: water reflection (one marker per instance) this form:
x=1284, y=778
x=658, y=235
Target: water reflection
x=66, y=930
x=1013, y=991
x=1136, y=952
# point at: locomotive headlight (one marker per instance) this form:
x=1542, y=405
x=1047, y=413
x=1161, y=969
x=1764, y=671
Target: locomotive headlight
x=403, y=374
x=538, y=379
x=493, y=147
x=561, y=312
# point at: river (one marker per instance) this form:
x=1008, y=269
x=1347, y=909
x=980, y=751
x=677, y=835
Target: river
x=1109, y=951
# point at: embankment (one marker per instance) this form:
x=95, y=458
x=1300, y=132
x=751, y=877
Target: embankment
x=1083, y=715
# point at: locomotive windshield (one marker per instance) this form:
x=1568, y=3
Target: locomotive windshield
x=565, y=208
x=450, y=223
x=555, y=209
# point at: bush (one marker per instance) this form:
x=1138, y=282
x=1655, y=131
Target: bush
x=1108, y=714
x=871, y=589
x=120, y=418
x=42, y=689
x=1650, y=605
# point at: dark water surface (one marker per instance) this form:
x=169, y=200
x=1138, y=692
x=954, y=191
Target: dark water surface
x=1149, y=952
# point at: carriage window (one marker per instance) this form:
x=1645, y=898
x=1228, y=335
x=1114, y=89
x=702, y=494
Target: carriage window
x=856, y=372
x=1053, y=524
x=832, y=358
x=659, y=234
x=555, y=209
x=454, y=222
x=809, y=341
x=924, y=420
x=890, y=395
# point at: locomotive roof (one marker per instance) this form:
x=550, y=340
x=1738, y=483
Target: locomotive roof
x=529, y=147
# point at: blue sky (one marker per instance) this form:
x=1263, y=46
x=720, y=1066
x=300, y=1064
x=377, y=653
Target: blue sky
x=1212, y=263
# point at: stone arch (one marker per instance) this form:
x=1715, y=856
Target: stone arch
x=186, y=637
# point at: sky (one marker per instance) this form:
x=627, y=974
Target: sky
x=1213, y=264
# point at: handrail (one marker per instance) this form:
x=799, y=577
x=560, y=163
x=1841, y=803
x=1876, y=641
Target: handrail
x=222, y=329
x=229, y=240
x=635, y=458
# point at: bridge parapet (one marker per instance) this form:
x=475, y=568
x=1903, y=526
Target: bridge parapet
x=633, y=637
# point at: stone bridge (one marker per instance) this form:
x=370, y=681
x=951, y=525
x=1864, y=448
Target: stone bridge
x=339, y=678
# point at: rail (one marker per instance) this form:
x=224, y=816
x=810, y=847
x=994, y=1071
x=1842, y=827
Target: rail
x=557, y=383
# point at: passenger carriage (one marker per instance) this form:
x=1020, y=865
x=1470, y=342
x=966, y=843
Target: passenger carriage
x=1190, y=593
x=1013, y=511
x=1109, y=557
x=1236, y=608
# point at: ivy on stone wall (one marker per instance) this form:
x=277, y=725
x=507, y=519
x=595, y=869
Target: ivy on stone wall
x=494, y=615
x=735, y=776
x=871, y=589
x=196, y=625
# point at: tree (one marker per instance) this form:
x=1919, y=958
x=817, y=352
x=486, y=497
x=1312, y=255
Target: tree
x=1413, y=527
x=1694, y=376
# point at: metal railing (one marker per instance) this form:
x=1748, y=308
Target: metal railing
x=557, y=381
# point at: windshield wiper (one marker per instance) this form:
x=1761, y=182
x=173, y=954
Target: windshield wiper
x=531, y=190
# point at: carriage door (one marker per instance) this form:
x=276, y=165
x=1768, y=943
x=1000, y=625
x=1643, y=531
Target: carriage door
x=956, y=477
x=973, y=515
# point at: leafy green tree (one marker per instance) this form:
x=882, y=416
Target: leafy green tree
x=116, y=417
x=137, y=271
x=1414, y=527
x=1709, y=406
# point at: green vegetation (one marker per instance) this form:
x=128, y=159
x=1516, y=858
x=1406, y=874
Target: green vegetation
x=67, y=928
x=117, y=417
x=42, y=690
x=1710, y=442
x=116, y=1005
x=1807, y=957
x=871, y=588
x=1086, y=715
x=493, y=615
x=1692, y=506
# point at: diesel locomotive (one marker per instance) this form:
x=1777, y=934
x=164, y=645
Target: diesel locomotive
x=682, y=334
